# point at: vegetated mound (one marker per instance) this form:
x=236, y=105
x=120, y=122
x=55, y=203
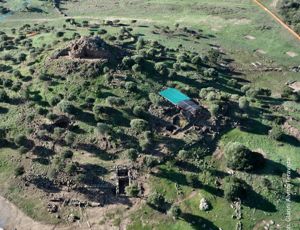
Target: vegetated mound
x=85, y=56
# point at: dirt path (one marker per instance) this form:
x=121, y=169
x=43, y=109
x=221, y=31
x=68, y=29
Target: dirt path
x=277, y=19
x=12, y=218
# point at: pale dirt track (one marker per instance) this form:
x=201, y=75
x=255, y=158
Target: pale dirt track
x=277, y=19
x=12, y=218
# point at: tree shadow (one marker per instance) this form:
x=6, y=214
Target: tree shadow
x=274, y=168
x=253, y=126
x=42, y=161
x=43, y=183
x=95, y=150
x=257, y=201
x=187, y=166
x=42, y=151
x=212, y=190
x=198, y=222
x=288, y=139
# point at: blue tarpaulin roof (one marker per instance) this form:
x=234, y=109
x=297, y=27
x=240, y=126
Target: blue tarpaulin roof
x=174, y=95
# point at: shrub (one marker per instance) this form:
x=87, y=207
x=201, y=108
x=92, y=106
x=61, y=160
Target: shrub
x=103, y=129
x=138, y=124
x=145, y=143
x=175, y=211
x=132, y=154
x=183, y=155
x=70, y=138
x=3, y=96
x=214, y=109
x=243, y=103
x=131, y=86
x=54, y=100
x=114, y=101
x=155, y=99
x=132, y=190
x=150, y=161
x=67, y=154
x=161, y=68
x=127, y=62
x=156, y=200
x=245, y=88
x=66, y=107
x=19, y=171
x=139, y=111
x=234, y=189
x=211, y=73
x=276, y=133
x=60, y=34
x=21, y=140
x=193, y=180
x=136, y=68
x=70, y=168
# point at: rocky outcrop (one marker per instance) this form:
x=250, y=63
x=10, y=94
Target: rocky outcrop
x=89, y=47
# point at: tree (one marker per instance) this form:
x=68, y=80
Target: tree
x=239, y=157
x=234, y=189
x=175, y=211
x=132, y=190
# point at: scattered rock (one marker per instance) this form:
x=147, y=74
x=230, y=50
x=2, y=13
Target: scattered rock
x=204, y=205
x=52, y=208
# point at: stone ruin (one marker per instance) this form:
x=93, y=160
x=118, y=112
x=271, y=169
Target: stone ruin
x=87, y=48
x=85, y=57
x=123, y=178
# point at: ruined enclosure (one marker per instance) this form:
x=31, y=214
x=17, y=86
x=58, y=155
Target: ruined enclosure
x=123, y=179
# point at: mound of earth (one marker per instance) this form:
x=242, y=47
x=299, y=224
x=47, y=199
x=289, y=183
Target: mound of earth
x=85, y=56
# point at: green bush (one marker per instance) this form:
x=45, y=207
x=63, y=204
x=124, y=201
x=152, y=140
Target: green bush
x=3, y=96
x=67, y=154
x=276, y=133
x=175, y=211
x=132, y=154
x=132, y=190
x=21, y=140
x=71, y=168
x=139, y=125
x=156, y=200
x=19, y=171
x=234, y=189
x=243, y=103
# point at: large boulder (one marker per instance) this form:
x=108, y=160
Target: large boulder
x=89, y=47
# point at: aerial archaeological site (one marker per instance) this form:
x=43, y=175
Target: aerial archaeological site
x=149, y=114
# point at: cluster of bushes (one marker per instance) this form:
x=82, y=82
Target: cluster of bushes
x=290, y=10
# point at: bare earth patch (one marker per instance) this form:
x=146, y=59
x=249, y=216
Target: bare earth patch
x=261, y=51
x=295, y=86
x=249, y=37
x=291, y=54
